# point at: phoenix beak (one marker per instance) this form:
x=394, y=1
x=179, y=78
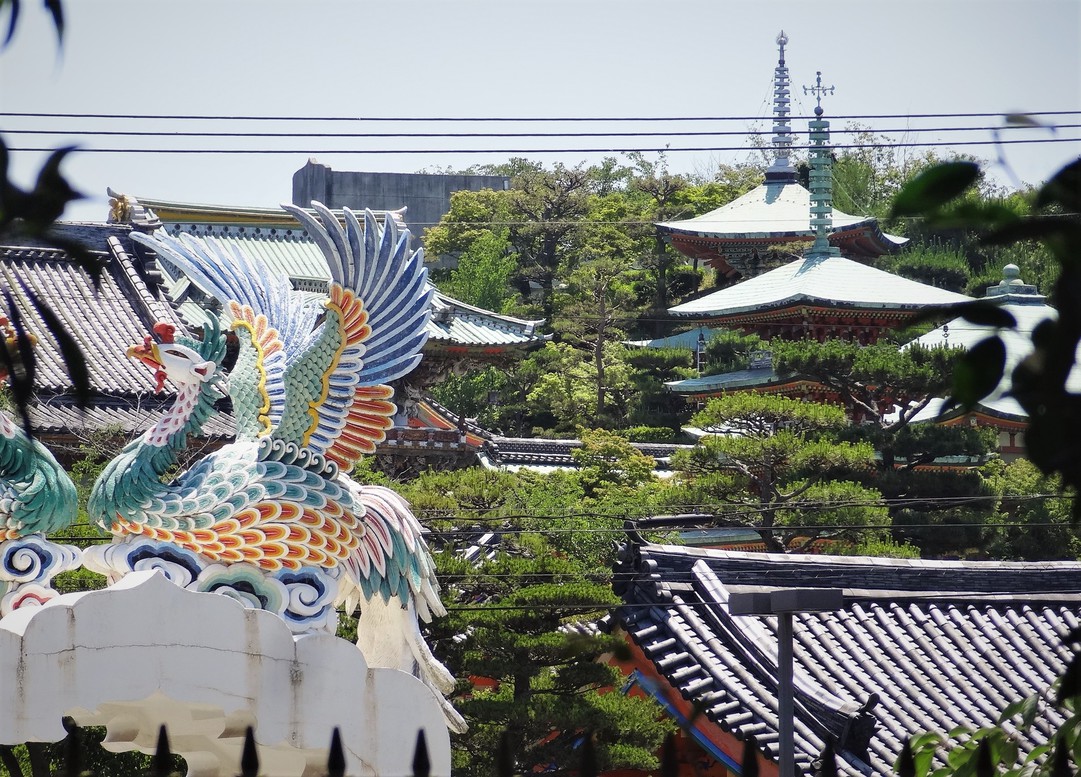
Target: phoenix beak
x=148, y=354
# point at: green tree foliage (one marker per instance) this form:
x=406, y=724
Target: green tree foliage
x=547, y=206
x=477, y=394
x=942, y=266
x=482, y=277
x=767, y=464
x=520, y=619
x=592, y=313
x=608, y=464
x=730, y=351
x=651, y=404
x=1034, y=522
x=472, y=216
x=867, y=178
x=886, y=388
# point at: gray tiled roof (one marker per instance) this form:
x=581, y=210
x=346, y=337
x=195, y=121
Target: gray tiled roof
x=939, y=644
x=128, y=414
x=104, y=321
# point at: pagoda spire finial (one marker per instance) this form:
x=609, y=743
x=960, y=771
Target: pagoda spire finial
x=818, y=91
x=821, y=175
x=781, y=170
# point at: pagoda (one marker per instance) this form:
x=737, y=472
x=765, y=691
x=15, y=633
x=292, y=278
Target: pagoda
x=822, y=295
x=741, y=239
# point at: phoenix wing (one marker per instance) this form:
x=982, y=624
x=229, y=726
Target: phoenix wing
x=272, y=321
x=338, y=401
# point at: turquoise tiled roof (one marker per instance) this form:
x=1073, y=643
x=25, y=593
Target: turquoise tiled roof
x=739, y=379
x=688, y=339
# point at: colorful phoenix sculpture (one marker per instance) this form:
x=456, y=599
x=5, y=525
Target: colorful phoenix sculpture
x=36, y=497
x=273, y=518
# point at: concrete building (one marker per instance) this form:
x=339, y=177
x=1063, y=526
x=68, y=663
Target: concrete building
x=425, y=196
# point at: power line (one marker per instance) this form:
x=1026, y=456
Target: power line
x=356, y=135
x=607, y=150
x=480, y=119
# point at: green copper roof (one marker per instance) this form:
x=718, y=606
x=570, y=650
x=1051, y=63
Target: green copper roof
x=821, y=280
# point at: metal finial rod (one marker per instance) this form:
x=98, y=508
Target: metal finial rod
x=818, y=91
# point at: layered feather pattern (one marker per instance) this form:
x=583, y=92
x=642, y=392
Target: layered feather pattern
x=36, y=494
x=310, y=393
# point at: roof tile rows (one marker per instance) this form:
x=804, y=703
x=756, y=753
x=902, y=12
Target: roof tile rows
x=917, y=646
x=104, y=321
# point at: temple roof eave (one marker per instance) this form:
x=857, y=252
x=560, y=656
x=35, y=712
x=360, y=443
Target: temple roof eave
x=802, y=300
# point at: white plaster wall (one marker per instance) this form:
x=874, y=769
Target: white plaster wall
x=145, y=637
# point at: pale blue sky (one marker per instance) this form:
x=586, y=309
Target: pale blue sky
x=420, y=58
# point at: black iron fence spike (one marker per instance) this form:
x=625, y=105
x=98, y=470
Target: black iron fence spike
x=422, y=766
x=749, y=764
x=161, y=763
x=504, y=760
x=669, y=757
x=589, y=757
x=985, y=766
x=249, y=759
x=73, y=749
x=1060, y=761
x=336, y=757
x=906, y=761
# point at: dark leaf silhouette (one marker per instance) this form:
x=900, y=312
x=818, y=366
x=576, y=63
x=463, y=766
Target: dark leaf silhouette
x=1070, y=684
x=74, y=361
x=1049, y=227
x=56, y=10
x=978, y=372
x=1063, y=189
x=13, y=19
x=935, y=187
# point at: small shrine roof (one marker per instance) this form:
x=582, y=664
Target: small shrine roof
x=775, y=210
x=822, y=280
x=688, y=339
x=546, y=455
x=738, y=379
x=1029, y=309
x=987, y=634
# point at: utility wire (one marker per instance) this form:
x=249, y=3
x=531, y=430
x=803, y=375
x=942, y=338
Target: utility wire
x=841, y=117
x=607, y=150
x=352, y=135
